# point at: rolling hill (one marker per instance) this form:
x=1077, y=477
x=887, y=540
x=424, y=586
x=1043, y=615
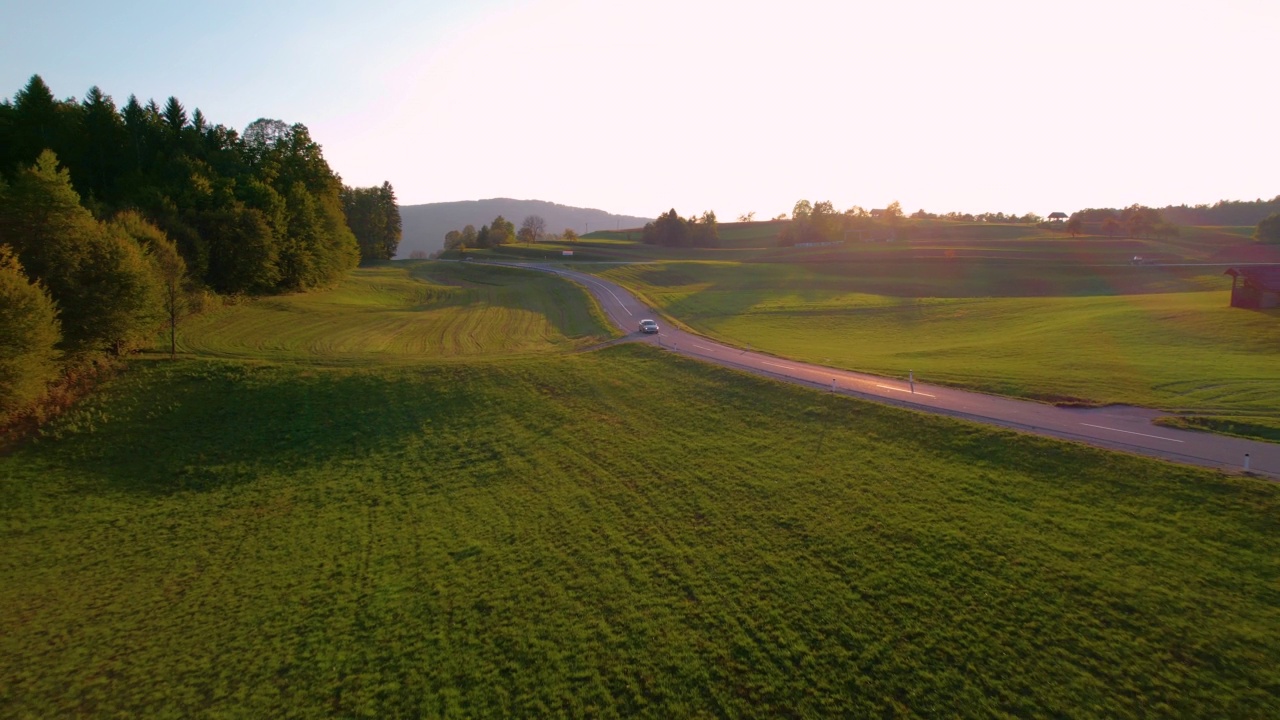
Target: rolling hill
x=424, y=226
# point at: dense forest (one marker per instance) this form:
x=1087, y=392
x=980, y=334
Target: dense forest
x=113, y=219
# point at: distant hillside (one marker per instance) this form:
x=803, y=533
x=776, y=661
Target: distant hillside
x=424, y=226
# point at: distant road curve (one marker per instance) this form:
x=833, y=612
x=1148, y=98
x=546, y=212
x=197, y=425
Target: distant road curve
x=1115, y=427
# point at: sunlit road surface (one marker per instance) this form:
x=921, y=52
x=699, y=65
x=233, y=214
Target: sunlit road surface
x=1116, y=427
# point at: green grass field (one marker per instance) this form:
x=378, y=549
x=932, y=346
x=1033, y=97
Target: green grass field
x=613, y=533
x=404, y=312
x=1151, y=336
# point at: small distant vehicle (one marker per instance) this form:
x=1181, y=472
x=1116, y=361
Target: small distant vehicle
x=648, y=326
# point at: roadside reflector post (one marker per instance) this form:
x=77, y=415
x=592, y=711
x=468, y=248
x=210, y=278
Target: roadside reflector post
x=1246, y=462
x=833, y=384
x=911, y=378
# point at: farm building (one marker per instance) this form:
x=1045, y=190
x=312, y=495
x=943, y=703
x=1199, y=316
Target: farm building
x=1256, y=288
x=1057, y=217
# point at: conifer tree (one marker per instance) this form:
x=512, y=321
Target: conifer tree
x=35, y=121
x=175, y=116
x=374, y=219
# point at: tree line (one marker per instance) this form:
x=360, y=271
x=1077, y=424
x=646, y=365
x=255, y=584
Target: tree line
x=1133, y=221
x=987, y=217
x=113, y=219
x=502, y=232
x=671, y=230
x=817, y=222
x=1223, y=212
x=1140, y=221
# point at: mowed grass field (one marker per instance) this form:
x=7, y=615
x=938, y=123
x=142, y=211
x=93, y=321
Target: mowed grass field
x=404, y=312
x=610, y=534
x=1152, y=336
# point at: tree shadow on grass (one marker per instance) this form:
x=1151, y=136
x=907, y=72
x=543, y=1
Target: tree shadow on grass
x=203, y=425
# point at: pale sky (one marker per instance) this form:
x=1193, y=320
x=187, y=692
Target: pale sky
x=637, y=107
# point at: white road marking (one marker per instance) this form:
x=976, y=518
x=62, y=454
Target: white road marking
x=607, y=289
x=703, y=347
x=1130, y=432
x=887, y=387
x=788, y=367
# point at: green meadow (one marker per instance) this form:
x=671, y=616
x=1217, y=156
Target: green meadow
x=404, y=312
x=1162, y=337
x=276, y=525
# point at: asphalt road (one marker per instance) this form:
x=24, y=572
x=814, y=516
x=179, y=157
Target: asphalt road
x=1115, y=427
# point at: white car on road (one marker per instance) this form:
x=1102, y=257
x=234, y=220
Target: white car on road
x=648, y=326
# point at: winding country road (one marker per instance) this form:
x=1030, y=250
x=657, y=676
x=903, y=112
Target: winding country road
x=1115, y=427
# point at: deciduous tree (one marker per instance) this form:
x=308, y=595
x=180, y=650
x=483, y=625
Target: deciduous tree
x=669, y=230
x=532, y=228
x=501, y=232
x=1074, y=225
x=170, y=269
x=105, y=290
x=1110, y=226
x=29, y=335
x=1268, y=230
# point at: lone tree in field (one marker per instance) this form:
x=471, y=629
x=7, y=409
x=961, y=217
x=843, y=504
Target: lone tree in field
x=1269, y=229
x=532, y=228
x=569, y=235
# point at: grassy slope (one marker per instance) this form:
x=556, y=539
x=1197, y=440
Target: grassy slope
x=613, y=533
x=1160, y=337
x=402, y=313
x=610, y=533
